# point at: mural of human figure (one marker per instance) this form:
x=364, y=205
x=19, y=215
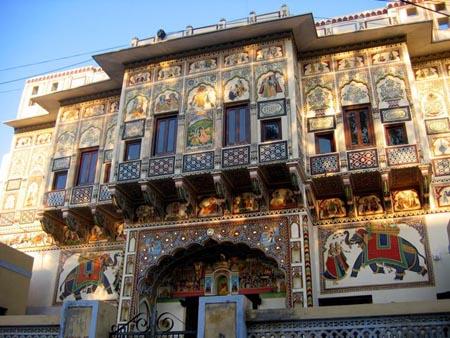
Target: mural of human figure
x=270, y=86
x=336, y=264
x=203, y=98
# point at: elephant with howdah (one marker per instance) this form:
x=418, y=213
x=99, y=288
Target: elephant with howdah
x=89, y=274
x=383, y=249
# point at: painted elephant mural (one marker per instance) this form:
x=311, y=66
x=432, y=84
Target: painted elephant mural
x=379, y=249
x=374, y=255
x=90, y=272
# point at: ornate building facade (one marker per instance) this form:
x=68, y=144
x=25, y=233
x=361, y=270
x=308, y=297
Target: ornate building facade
x=298, y=163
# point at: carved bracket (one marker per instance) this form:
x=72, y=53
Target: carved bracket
x=297, y=182
x=349, y=195
x=112, y=226
x=77, y=223
x=53, y=226
x=153, y=197
x=259, y=186
x=386, y=192
x=223, y=189
x=122, y=202
x=425, y=185
x=186, y=192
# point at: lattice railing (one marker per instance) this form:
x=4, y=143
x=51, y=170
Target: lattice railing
x=322, y=164
x=104, y=194
x=29, y=331
x=161, y=166
x=81, y=195
x=274, y=151
x=130, y=170
x=437, y=325
x=362, y=159
x=236, y=156
x=402, y=155
x=55, y=198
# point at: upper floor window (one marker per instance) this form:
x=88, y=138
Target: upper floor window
x=358, y=128
x=325, y=143
x=165, y=135
x=411, y=11
x=59, y=180
x=396, y=134
x=35, y=90
x=443, y=24
x=270, y=130
x=86, y=169
x=132, y=150
x=237, y=125
x=54, y=86
x=440, y=7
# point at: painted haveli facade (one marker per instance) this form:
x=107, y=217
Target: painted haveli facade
x=296, y=162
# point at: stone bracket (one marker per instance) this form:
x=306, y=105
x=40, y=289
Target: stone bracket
x=112, y=226
x=223, y=189
x=297, y=182
x=186, y=192
x=52, y=225
x=349, y=195
x=122, y=202
x=259, y=186
x=386, y=192
x=78, y=223
x=153, y=197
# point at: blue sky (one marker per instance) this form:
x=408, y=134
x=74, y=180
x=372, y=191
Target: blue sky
x=33, y=31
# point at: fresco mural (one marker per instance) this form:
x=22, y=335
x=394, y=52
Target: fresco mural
x=271, y=85
x=379, y=254
x=89, y=275
x=331, y=208
x=202, y=97
x=137, y=104
x=369, y=205
x=200, y=129
x=236, y=89
x=167, y=101
x=405, y=200
x=282, y=199
x=236, y=59
x=245, y=202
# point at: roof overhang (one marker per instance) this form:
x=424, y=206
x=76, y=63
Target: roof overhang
x=113, y=63
x=31, y=121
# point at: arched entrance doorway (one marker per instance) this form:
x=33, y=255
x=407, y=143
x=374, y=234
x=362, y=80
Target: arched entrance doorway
x=172, y=287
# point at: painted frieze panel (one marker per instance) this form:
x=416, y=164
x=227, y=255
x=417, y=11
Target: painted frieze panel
x=245, y=202
x=10, y=201
x=431, y=72
x=88, y=275
x=61, y=163
x=137, y=104
x=369, y=205
x=321, y=123
x=440, y=145
x=176, y=211
x=210, y=206
x=236, y=59
x=269, y=53
x=32, y=195
x=133, y=129
x=44, y=138
x=65, y=140
x=114, y=106
x=167, y=101
x=13, y=184
x=94, y=110
x=437, y=126
x=24, y=141
x=433, y=104
x=202, y=94
x=318, y=67
x=406, y=200
x=139, y=77
x=374, y=255
x=28, y=240
x=202, y=65
x=442, y=194
x=271, y=108
x=398, y=114
x=19, y=164
x=441, y=167
x=38, y=163
x=385, y=57
x=319, y=98
x=350, y=62
x=169, y=71
x=391, y=90
x=331, y=208
x=69, y=114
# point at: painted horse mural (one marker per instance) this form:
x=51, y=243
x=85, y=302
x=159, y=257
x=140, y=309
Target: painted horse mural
x=383, y=247
x=88, y=275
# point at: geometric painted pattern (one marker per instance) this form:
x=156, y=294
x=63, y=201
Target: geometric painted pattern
x=129, y=170
x=276, y=151
x=324, y=164
x=46, y=331
x=104, y=194
x=199, y=161
x=55, y=198
x=161, y=166
x=7, y=218
x=362, y=159
x=402, y=155
x=27, y=216
x=81, y=194
x=441, y=167
x=232, y=157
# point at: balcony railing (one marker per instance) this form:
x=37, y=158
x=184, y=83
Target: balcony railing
x=81, y=195
x=235, y=156
x=55, y=198
x=104, y=194
x=273, y=151
x=323, y=164
x=161, y=166
x=402, y=155
x=198, y=161
x=130, y=170
x=362, y=159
